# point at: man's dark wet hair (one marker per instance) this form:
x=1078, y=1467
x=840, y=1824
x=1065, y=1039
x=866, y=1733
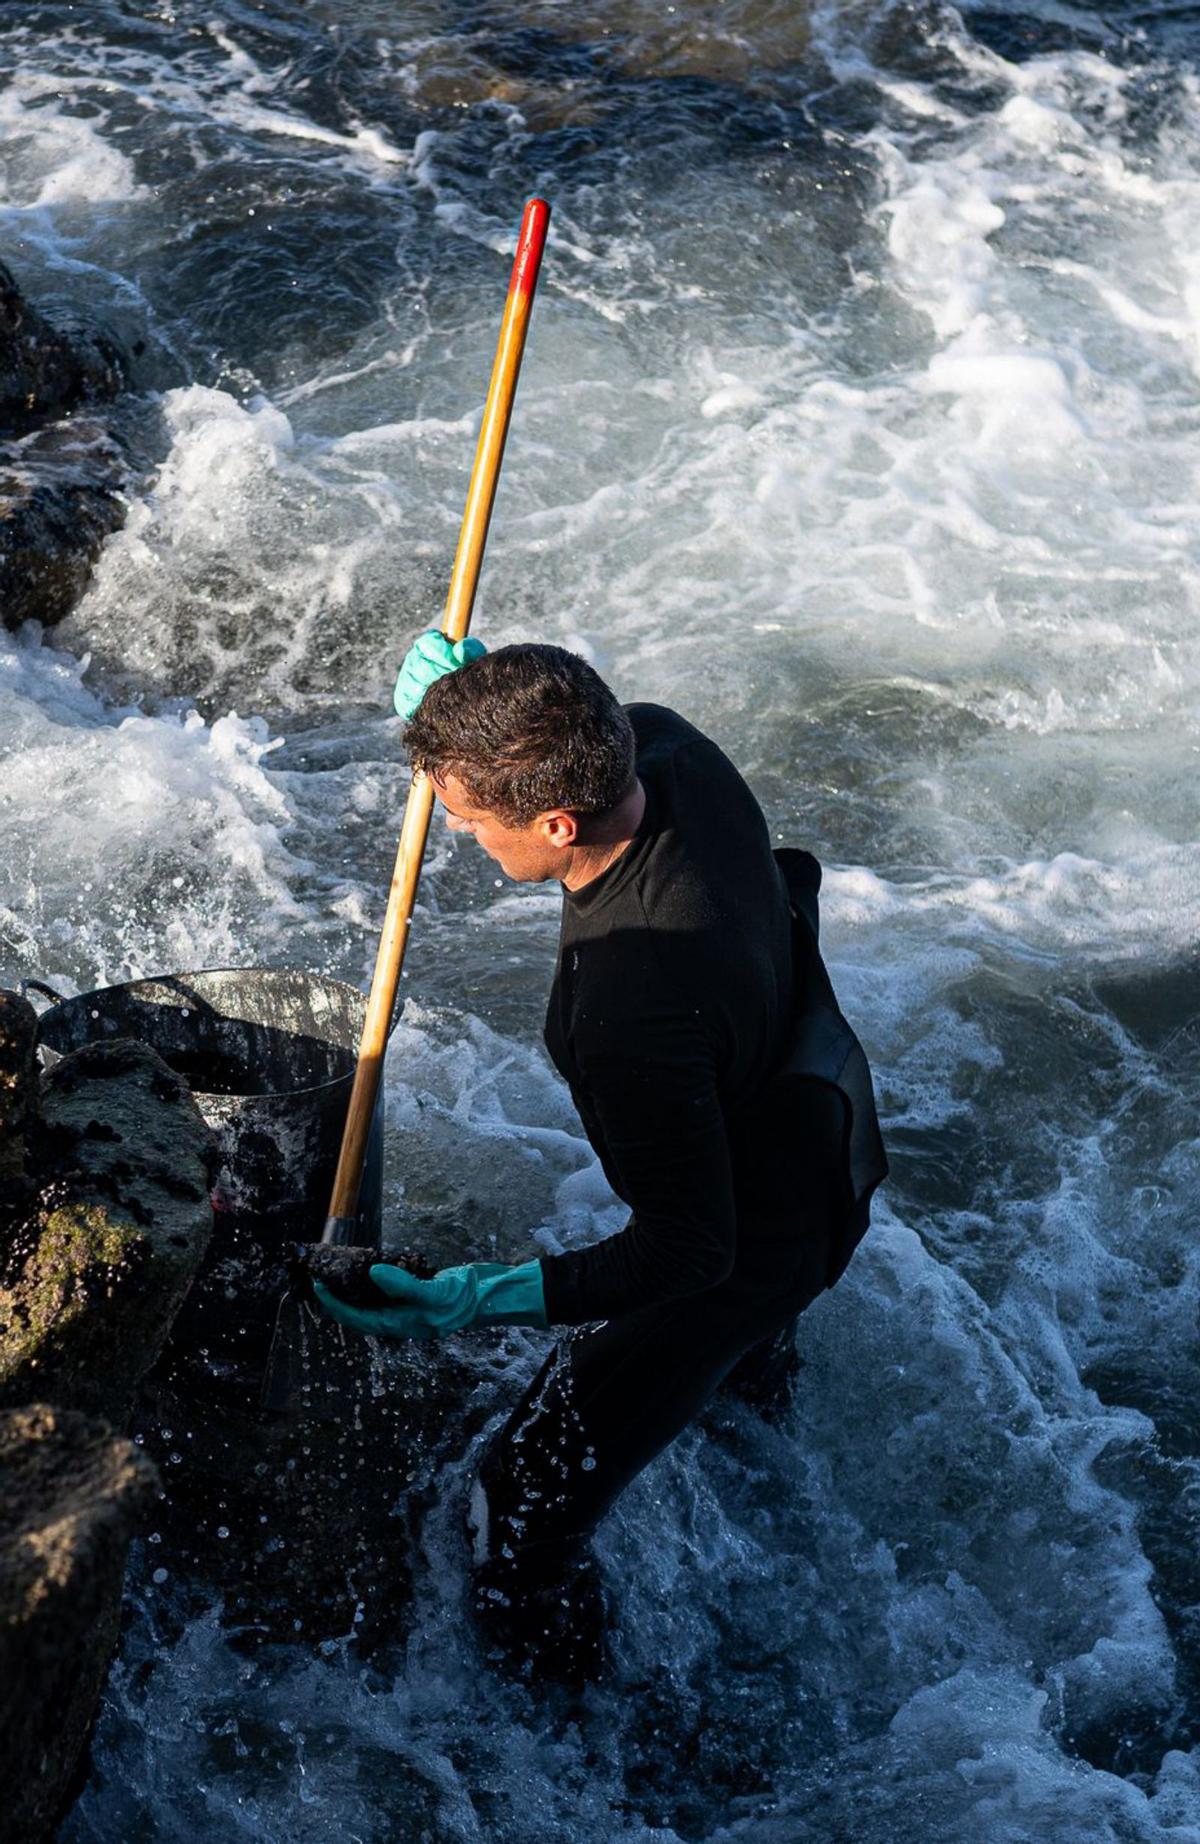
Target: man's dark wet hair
x=526, y=729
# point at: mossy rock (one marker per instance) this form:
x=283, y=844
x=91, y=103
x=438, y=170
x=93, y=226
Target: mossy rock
x=91, y=1282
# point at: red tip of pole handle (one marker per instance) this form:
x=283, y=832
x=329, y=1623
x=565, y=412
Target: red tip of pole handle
x=530, y=244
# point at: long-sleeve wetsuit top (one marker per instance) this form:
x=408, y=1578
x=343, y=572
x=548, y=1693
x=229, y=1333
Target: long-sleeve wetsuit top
x=668, y=1011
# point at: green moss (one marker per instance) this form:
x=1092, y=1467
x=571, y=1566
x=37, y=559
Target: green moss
x=76, y=1235
x=59, y=1279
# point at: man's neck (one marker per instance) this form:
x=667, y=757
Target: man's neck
x=615, y=834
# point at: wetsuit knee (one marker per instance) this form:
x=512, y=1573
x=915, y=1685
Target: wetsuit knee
x=539, y=1608
x=766, y=1377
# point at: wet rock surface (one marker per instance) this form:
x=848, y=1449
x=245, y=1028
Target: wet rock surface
x=18, y=1031
x=298, y=1503
x=62, y=467
x=60, y=497
x=91, y=1280
x=303, y=1519
x=71, y=1495
x=44, y=371
x=346, y=1270
x=105, y=1218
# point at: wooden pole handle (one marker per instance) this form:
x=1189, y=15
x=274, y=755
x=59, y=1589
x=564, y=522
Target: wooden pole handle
x=418, y=810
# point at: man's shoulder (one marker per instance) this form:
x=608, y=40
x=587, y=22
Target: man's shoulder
x=673, y=752
x=662, y=735
x=652, y=722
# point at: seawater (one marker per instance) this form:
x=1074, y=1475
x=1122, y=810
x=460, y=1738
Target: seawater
x=860, y=424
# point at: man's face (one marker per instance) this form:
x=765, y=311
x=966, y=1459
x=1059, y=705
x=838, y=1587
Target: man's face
x=528, y=854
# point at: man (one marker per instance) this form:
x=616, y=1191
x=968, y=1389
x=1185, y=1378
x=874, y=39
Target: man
x=726, y=1098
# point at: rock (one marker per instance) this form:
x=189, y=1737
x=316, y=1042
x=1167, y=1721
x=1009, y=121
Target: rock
x=71, y=1495
x=61, y=471
x=346, y=1269
x=18, y=1032
x=574, y=66
x=60, y=497
x=304, y=1520
x=301, y=1523
x=115, y=1163
x=45, y=372
x=91, y=1282
x=300, y=1518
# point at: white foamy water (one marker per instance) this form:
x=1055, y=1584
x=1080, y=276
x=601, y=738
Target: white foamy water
x=859, y=423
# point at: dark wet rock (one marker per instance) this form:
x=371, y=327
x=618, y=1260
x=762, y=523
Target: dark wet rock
x=60, y=497
x=46, y=372
x=565, y=67
x=61, y=469
x=302, y=1515
x=107, y=1217
x=91, y=1281
x=304, y=1520
x=346, y=1270
x=71, y=1496
x=18, y=1031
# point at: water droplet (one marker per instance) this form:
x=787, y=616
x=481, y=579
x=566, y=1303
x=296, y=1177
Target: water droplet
x=222, y=1530
x=159, y=1576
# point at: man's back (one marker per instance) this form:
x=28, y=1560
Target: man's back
x=670, y=1008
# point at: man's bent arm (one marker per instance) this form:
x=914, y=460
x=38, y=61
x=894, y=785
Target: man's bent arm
x=656, y=1121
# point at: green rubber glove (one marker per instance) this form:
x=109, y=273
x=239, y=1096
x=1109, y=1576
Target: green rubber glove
x=429, y=658
x=481, y=1293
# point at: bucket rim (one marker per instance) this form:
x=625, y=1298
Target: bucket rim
x=154, y=979
x=151, y=979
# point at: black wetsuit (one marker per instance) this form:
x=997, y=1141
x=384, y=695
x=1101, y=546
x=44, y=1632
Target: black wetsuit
x=688, y=981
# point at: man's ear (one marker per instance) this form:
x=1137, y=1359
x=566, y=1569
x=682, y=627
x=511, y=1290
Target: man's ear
x=559, y=828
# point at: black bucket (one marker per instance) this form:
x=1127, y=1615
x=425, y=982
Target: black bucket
x=269, y=1054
